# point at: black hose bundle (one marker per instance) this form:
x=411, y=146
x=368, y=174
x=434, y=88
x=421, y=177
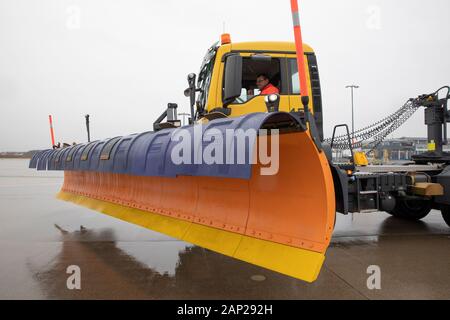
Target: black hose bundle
x=373, y=135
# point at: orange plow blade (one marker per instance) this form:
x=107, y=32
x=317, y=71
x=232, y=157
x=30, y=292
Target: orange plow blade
x=281, y=221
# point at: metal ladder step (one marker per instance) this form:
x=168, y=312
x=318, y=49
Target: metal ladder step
x=368, y=192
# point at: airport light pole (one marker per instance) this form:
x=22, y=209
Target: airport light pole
x=353, y=87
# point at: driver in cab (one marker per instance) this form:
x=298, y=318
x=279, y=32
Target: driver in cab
x=264, y=85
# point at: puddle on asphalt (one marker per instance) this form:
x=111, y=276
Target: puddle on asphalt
x=160, y=269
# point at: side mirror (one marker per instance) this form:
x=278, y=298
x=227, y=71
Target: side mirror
x=272, y=102
x=190, y=92
x=232, y=78
x=191, y=78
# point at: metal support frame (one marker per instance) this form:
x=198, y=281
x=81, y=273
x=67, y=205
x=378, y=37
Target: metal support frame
x=171, y=114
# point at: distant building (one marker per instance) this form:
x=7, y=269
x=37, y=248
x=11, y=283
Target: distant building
x=401, y=149
x=17, y=155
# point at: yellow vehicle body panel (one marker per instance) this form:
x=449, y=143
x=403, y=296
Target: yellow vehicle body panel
x=246, y=49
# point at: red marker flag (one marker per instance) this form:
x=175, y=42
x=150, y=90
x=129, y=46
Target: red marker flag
x=52, y=134
x=299, y=48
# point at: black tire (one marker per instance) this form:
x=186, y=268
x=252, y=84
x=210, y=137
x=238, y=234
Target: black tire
x=411, y=209
x=446, y=214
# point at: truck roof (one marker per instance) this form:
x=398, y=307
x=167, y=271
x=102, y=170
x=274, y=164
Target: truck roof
x=268, y=46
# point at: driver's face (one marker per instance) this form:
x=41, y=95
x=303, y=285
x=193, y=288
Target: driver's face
x=261, y=82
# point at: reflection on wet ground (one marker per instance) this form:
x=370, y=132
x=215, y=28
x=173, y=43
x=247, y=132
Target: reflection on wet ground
x=41, y=236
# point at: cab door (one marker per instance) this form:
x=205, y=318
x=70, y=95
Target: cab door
x=314, y=88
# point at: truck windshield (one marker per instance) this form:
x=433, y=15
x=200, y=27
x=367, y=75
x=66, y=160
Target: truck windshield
x=204, y=76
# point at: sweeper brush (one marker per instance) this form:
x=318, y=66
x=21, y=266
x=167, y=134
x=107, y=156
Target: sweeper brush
x=281, y=221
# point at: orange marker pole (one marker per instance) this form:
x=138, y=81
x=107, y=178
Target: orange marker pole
x=299, y=47
x=52, y=134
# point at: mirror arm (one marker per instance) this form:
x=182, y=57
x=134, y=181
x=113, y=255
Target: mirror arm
x=191, y=81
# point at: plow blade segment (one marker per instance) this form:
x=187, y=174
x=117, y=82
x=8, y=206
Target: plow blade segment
x=277, y=214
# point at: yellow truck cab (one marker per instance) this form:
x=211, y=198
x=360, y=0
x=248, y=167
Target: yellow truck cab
x=227, y=79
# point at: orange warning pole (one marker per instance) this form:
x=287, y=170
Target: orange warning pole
x=299, y=47
x=52, y=134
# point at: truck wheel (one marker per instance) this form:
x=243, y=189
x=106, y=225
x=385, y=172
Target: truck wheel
x=411, y=209
x=446, y=214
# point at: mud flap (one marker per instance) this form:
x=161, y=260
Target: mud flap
x=340, y=180
x=444, y=180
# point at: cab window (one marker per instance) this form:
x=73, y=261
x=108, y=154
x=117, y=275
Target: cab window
x=205, y=75
x=294, y=82
x=251, y=69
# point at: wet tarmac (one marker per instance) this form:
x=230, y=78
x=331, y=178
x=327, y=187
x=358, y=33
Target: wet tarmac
x=40, y=237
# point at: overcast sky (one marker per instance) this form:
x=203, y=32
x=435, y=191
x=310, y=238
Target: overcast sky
x=122, y=61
